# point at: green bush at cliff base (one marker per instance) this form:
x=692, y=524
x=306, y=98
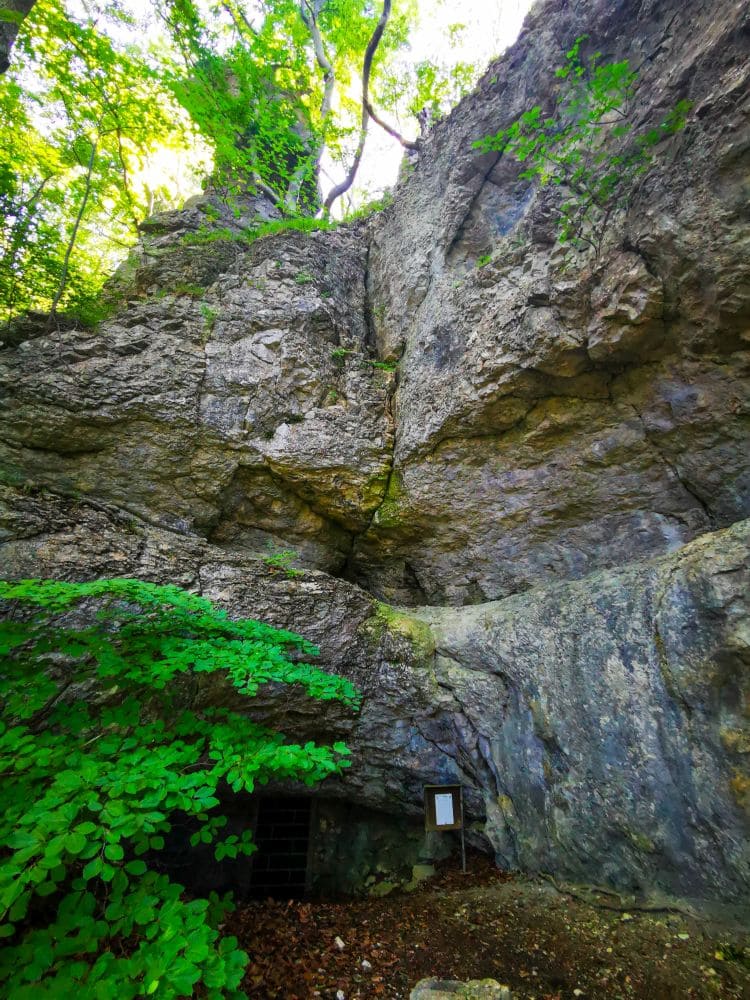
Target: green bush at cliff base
x=100, y=743
x=587, y=147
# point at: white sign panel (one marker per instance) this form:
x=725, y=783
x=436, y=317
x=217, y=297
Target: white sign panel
x=444, y=810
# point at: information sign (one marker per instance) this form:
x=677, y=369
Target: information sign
x=443, y=810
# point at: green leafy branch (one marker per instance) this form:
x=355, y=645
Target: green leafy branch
x=587, y=146
x=100, y=744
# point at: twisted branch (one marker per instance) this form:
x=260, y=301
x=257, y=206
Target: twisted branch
x=372, y=47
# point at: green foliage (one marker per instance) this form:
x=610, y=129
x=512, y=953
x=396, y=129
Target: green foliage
x=587, y=146
x=79, y=114
x=383, y=366
x=187, y=289
x=100, y=743
x=429, y=89
x=209, y=314
x=300, y=224
x=98, y=92
x=371, y=207
x=439, y=88
x=206, y=235
x=250, y=77
x=297, y=224
x=281, y=560
x=484, y=260
x=90, y=100
x=338, y=355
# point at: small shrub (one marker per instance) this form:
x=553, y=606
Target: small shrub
x=210, y=211
x=484, y=260
x=209, y=315
x=187, y=289
x=371, y=207
x=281, y=560
x=384, y=366
x=204, y=235
x=301, y=224
x=89, y=312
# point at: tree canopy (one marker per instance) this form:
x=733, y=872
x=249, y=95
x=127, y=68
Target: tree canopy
x=263, y=91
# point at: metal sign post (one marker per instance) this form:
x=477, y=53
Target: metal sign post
x=444, y=810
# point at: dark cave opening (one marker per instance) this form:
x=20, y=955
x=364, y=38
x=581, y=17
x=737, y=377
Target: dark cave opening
x=278, y=869
x=308, y=847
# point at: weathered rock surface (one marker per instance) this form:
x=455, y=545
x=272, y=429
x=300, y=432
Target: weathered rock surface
x=555, y=412
x=611, y=717
x=222, y=410
x=536, y=391
x=601, y=727
x=556, y=477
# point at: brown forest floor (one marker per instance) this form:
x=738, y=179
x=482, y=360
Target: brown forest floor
x=544, y=945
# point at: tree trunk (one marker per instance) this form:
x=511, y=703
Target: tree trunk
x=73, y=236
x=370, y=51
x=12, y=12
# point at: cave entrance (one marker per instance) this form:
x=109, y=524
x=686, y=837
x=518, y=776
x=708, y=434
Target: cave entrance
x=280, y=866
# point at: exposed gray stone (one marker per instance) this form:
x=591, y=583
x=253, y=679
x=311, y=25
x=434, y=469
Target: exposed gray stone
x=231, y=414
x=521, y=425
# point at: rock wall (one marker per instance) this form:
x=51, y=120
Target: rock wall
x=590, y=411
x=542, y=461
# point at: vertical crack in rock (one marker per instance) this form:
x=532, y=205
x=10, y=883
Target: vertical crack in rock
x=670, y=681
x=460, y=228
x=391, y=430
x=369, y=318
x=674, y=469
x=201, y=387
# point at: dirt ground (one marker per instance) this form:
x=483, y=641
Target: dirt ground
x=520, y=931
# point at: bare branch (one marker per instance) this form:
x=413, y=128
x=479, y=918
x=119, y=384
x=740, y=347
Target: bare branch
x=36, y=192
x=239, y=18
x=406, y=143
x=309, y=13
x=269, y=192
x=372, y=47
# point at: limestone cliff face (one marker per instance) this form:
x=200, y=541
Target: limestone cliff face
x=543, y=461
x=589, y=412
